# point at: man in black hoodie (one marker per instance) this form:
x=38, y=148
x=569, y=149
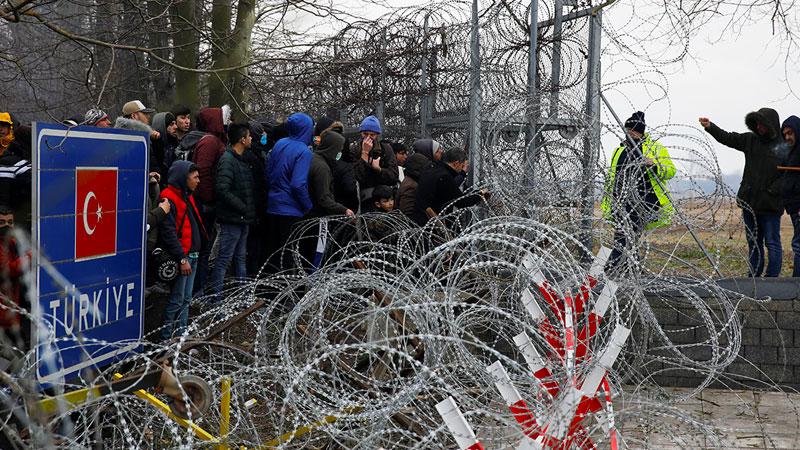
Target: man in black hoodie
x=428, y=148
x=320, y=174
x=759, y=194
x=165, y=124
x=344, y=178
x=791, y=183
x=438, y=187
x=255, y=156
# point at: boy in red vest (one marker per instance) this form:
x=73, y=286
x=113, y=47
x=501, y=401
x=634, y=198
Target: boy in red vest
x=182, y=234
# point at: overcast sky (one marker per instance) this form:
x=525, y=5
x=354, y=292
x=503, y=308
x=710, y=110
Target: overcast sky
x=730, y=78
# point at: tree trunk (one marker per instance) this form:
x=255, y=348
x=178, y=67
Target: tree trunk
x=162, y=78
x=220, y=30
x=186, y=51
x=239, y=54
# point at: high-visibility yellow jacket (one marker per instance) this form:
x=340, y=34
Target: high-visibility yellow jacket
x=662, y=171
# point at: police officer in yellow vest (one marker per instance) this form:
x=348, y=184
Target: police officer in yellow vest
x=636, y=196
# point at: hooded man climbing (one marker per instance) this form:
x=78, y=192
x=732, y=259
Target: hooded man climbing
x=636, y=197
x=759, y=195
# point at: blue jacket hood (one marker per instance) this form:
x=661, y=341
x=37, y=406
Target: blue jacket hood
x=287, y=169
x=300, y=127
x=178, y=172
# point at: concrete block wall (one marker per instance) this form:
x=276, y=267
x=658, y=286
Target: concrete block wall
x=770, y=340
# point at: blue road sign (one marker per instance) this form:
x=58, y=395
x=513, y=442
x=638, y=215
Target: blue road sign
x=89, y=224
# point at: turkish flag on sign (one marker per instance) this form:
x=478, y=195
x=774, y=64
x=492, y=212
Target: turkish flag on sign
x=95, y=212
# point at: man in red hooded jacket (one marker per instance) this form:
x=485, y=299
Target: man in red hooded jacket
x=207, y=151
x=181, y=233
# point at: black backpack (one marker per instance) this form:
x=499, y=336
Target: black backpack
x=185, y=149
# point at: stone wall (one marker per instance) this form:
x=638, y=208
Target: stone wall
x=770, y=346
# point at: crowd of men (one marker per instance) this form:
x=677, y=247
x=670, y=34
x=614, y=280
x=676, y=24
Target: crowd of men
x=226, y=196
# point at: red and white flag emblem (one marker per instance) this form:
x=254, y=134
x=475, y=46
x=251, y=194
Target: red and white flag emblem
x=95, y=212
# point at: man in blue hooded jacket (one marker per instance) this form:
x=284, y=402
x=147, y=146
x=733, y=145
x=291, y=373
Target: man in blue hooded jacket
x=791, y=184
x=288, y=199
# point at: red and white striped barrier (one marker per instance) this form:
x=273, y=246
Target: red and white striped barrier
x=576, y=399
x=536, y=363
x=458, y=425
x=522, y=413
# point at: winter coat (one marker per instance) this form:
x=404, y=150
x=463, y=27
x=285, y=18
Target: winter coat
x=255, y=161
x=21, y=146
x=761, y=182
x=163, y=147
x=633, y=186
x=438, y=189
x=208, y=150
x=182, y=231
x=790, y=182
x=366, y=176
x=287, y=169
x=407, y=196
x=344, y=185
x=15, y=182
x=235, y=194
x=124, y=123
x=154, y=215
x=320, y=175
x=11, y=270
x=426, y=148
x=187, y=146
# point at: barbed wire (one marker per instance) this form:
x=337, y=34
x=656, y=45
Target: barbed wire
x=359, y=349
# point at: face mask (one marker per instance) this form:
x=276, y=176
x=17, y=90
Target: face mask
x=263, y=139
x=338, y=156
x=4, y=230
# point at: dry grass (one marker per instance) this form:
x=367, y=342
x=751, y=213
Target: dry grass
x=721, y=230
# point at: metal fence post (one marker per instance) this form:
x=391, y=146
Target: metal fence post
x=592, y=137
x=475, y=99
